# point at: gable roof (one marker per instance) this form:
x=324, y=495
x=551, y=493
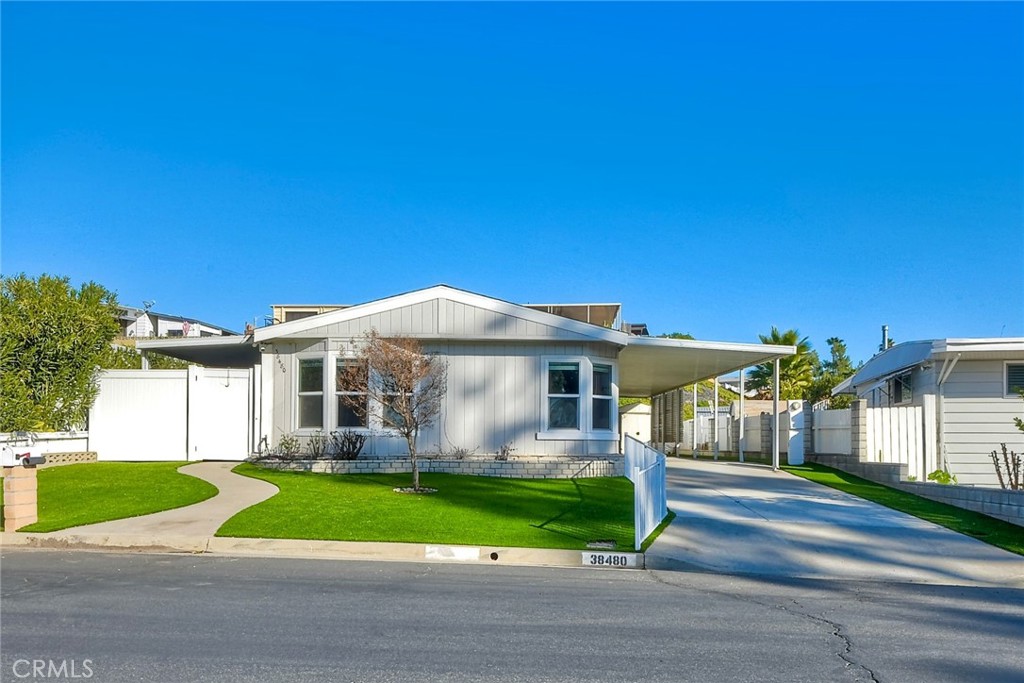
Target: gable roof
x=314, y=325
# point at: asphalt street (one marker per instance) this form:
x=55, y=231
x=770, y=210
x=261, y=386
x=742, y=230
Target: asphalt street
x=131, y=617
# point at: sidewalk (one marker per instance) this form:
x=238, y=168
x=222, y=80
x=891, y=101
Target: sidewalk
x=191, y=529
x=745, y=518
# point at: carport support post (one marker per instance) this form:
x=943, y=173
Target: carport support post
x=775, y=416
x=693, y=432
x=145, y=359
x=714, y=419
x=739, y=442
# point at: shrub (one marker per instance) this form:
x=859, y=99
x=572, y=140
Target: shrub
x=346, y=444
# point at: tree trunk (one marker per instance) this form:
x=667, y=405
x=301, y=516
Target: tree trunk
x=411, y=441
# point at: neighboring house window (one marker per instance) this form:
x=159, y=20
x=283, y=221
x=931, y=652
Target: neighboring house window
x=563, y=395
x=311, y=393
x=602, y=390
x=297, y=315
x=902, y=389
x=175, y=333
x=1014, y=378
x=349, y=414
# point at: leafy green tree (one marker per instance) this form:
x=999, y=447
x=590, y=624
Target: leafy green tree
x=122, y=355
x=796, y=372
x=52, y=337
x=675, y=335
x=831, y=372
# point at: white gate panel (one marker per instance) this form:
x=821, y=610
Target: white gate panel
x=139, y=415
x=832, y=431
x=219, y=413
x=896, y=435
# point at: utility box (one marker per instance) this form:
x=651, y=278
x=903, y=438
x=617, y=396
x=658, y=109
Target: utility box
x=795, y=454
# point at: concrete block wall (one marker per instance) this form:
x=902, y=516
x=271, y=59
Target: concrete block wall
x=888, y=473
x=859, y=430
x=766, y=435
x=57, y=459
x=516, y=467
x=1001, y=504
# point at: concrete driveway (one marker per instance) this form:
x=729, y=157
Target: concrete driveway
x=745, y=518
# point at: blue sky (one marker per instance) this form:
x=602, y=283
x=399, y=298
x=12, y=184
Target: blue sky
x=716, y=168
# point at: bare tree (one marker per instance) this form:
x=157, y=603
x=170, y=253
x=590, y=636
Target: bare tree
x=407, y=385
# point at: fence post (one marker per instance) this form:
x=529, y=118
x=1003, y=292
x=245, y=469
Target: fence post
x=859, y=430
x=766, y=434
x=808, y=429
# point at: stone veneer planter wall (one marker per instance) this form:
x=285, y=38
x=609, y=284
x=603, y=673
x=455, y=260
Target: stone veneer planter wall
x=516, y=467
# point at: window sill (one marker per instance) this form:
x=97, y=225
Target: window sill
x=576, y=435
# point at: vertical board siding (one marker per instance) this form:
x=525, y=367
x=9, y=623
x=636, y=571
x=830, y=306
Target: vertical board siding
x=976, y=419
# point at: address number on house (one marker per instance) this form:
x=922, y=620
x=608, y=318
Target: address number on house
x=613, y=560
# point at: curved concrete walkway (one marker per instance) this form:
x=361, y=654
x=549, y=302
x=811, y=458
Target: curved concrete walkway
x=745, y=518
x=235, y=493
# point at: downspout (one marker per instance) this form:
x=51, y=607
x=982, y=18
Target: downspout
x=739, y=443
x=940, y=426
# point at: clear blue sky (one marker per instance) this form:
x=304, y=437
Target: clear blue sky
x=716, y=168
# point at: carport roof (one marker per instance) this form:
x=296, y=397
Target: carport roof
x=236, y=351
x=649, y=366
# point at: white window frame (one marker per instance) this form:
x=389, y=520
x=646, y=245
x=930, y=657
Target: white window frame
x=586, y=431
x=296, y=385
x=1006, y=378
x=342, y=358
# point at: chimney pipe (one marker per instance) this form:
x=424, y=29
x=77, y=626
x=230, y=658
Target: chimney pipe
x=885, y=338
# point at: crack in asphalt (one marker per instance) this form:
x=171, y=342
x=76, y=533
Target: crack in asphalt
x=835, y=628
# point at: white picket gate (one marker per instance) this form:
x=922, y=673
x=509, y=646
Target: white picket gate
x=193, y=414
x=645, y=467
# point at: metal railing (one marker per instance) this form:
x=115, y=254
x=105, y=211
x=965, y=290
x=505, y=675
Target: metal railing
x=645, y=467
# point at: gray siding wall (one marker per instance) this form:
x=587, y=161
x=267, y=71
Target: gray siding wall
x=494, y=396
x=977, y=417
x=443, y=318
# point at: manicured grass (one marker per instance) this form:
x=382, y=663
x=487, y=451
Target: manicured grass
x=984, y=528
x=532, y=513
x=71, y=495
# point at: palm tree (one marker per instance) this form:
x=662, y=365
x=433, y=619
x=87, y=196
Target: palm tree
x=796, y=372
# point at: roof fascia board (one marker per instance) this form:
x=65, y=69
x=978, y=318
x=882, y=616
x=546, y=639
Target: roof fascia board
x=772, y=350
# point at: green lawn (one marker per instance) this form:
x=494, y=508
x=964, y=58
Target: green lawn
x=71, y=495
x=984, y=528
x=532, y=513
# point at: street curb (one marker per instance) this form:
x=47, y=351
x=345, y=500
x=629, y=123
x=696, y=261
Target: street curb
x=307, y=549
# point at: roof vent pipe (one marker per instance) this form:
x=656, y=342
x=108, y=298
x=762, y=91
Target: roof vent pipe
x=885, y=338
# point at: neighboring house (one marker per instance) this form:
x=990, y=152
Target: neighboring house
x=539, y=382
x=140, y=323
x=968, y=388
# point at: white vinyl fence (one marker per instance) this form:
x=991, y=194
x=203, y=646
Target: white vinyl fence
x=193, y=414
x=897, y=435
x=832, y=432
x=645, y=467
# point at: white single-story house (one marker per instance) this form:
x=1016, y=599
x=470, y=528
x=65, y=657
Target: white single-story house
x=536, y=381
x=969, y=387
x=143, y=323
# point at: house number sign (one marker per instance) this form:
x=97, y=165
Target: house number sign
x=612, y=560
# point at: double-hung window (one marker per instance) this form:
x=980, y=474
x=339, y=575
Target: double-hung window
x=351, y=384
x=563, y=395
x=579, y=399
x=311, y=393
x=601, y=387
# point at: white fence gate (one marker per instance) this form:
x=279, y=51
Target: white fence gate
x=832, y=432
x=193, y=414
x=897, y=435
x=645, y=467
